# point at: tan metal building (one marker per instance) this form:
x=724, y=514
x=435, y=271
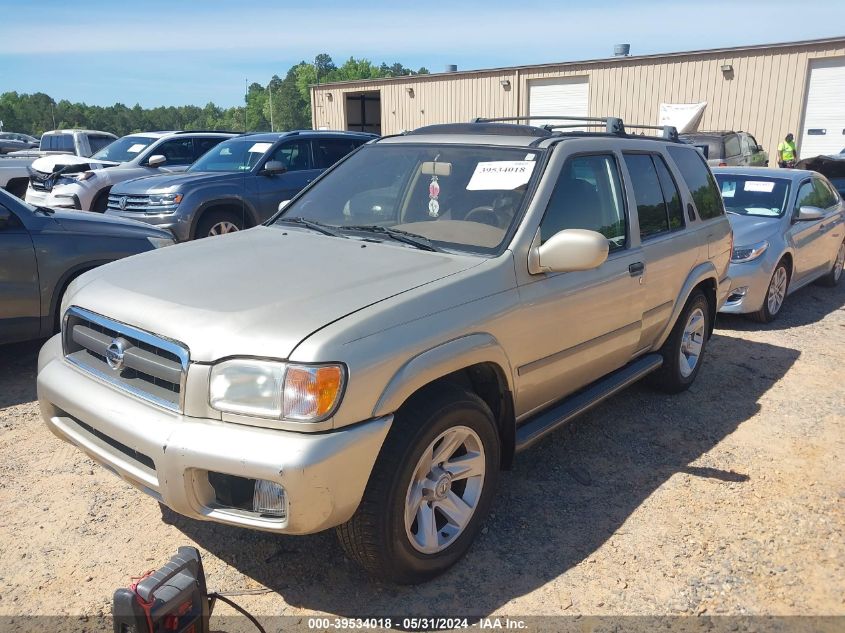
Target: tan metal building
x=767, y=90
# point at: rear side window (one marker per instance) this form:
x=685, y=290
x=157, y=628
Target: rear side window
x=179, y=151
x=732, y=145
x=205, y=143
x=699, y=181
x=327, y=151
x=588, y=195
x=99, y=142
x=658, y=200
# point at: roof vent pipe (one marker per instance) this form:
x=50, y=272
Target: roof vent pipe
x=621, y=50
x=451, y=68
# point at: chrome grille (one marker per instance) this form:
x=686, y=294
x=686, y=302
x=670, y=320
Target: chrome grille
x=135, y=202
x=151, y=367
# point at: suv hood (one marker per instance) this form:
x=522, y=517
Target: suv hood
x=258, y=292
x=750, y=229
x=49, y=164
x=171, y=182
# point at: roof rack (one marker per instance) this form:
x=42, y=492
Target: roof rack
x=612, y=125
x=202, y=132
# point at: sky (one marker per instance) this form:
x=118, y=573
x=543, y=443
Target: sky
x=177, y=52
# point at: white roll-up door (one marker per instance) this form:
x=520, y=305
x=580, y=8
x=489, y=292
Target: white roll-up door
x=824, y=115
x=561, y=96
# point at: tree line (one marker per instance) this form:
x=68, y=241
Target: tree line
x=284, y=102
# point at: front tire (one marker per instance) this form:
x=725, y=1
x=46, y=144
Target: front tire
x=218, y=223
x=775, y=295
x=683, y=351
x=833, y=278
x=430, y=489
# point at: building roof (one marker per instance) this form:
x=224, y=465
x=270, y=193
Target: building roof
x=602, y=60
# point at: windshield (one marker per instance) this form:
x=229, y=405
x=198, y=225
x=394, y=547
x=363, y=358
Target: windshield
x=753, y=195
x=236, y=155
x=461, y=197
x=124, y=149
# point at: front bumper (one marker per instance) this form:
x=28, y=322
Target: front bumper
x=52, y=199
x=754, y=276
x=177, y=223
x=169, y=455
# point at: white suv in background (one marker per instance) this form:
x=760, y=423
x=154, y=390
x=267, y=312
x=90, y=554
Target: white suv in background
x=76, y=182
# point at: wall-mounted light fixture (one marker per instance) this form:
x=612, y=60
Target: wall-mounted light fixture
x=410, y=91
x=505, y=83
x=329, y=96
x=727, y=68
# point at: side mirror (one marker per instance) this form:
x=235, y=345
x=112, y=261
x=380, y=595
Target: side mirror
x=272, y=167
x=759, y=148
x=157, y=160
x=571, y=250
x=810, y=214
x=283, y=204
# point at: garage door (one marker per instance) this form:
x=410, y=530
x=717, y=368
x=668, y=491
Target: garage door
x=824, y=118
x=558, y=97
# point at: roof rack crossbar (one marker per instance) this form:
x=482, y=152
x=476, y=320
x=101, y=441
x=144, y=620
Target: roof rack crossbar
x=669, y=132
x=613, y=125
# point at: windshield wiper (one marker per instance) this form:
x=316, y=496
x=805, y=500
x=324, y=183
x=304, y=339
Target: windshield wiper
x=325, y=229
x=413, y=239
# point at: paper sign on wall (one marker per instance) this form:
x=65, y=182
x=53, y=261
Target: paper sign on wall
x=759, y=185
x=500, y=175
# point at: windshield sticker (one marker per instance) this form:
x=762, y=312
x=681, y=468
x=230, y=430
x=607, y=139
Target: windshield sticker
x=501, y=175
x=259, y=148
x=728, y=189
x=137, y=147
x=433, y=193
x=759, y=185
x=529, y=157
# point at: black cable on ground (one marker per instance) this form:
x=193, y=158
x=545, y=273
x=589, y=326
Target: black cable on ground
x=239, y=609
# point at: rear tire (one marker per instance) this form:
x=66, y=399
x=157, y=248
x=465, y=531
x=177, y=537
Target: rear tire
x=410, y=488
x=775, y=295
x=833, y=278
x=218, y=223
x=683, y=351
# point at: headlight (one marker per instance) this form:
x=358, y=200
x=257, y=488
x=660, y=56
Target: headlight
x=165, y=199
x=268, y=389
x=742, y=254
x=161, y=242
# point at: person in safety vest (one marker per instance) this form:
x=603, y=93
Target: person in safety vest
x=787, y=153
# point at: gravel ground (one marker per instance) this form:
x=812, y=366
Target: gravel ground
x=727, y=499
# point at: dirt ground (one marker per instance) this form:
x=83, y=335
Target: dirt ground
x=727, y=499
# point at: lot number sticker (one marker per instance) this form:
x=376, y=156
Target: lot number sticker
x=762, y=186
x=501, y=175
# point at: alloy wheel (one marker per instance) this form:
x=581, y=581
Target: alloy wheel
x=445, y=490
x=692, y=342
x=221, y=228
x=777, y=290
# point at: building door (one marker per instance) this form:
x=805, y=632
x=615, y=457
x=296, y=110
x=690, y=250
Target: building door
x=823, y=131
x=363, y=112
x=561, y=96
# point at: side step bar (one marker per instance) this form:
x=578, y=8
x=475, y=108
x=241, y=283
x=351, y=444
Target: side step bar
x=537, y=427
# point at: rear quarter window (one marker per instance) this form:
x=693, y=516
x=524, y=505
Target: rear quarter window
x=699, y=181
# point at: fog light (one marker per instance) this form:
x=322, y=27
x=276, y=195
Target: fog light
x=737, y=294
x=269, y=498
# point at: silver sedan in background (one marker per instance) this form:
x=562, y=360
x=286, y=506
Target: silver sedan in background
x=789, y=230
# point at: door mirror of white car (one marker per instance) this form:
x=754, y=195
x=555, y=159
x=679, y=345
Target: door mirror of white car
x=157, y=160
x=283, y=204
x=272, y=167
x=810, y=213
x=571, y=250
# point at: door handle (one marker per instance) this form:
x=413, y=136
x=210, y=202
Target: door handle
x=636, y=269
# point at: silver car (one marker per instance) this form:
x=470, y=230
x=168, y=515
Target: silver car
x=789, y=230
